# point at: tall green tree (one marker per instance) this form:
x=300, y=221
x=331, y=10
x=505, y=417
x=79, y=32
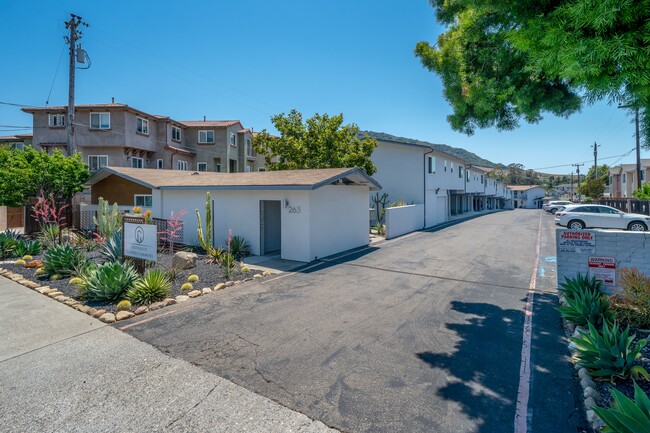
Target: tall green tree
x=593, y=188
x=25, y=173
x=502, y=62
x=321, y=141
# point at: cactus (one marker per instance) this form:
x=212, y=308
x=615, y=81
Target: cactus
x=27, y=257
x=107, y=221
x=20, y=262
x=40, y=271
x=205, y=241
x=186, y=287
x=245, y=269
x=380, y=206
x=55, y=277
x=193, y=278
x=75, y=281
x=123, y=305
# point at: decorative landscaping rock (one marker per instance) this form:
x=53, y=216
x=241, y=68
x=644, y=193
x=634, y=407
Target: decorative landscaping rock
x=83, y=308
x=141, y=310
x=182, y=298
x=54, y=294
x=206, y=290
x=184, y=260
x=237, y=282
x=44, y=290
x=257, y=276
x=219, y=286
x=589, y=403
x=62, y=298
x=230, y=283
x=267, y=272
x=91, y=312
x=156, y=306
x=169, y=301
x=107, y=317
x=98, y=313
x=194, y=293
x=123, y=315
x=582, y=373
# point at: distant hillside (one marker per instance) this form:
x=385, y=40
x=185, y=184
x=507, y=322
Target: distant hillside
x=463, y=154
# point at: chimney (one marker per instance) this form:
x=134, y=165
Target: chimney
x=204, y=118
x=113, y=100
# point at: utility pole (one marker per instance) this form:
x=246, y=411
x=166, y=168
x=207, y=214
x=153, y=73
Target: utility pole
x=595, y=146
x=571, y=186
x=638, y=143
x=75, y=35
x=577, y=166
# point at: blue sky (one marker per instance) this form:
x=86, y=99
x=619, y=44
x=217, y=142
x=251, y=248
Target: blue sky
x=250, y=59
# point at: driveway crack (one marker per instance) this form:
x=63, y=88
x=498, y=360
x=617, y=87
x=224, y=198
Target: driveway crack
x=182, y=415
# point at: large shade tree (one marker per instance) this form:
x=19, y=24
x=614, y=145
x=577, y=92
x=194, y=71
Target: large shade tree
x=321, y=141
x=504, y=61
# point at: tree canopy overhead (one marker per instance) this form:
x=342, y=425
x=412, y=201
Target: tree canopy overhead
x=503, y=61
x=320, y=142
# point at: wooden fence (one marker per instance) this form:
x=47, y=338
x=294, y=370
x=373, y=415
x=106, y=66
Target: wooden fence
x=631, y=205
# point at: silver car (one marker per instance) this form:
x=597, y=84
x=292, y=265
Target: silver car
x=554, y=206
x=599, y=216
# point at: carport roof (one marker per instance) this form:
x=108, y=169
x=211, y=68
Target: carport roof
x=287, y=179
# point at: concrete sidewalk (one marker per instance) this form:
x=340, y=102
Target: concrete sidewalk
x=61, y=370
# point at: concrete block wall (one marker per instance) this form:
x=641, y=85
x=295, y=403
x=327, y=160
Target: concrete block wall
x=630, y=249
x=404, y=219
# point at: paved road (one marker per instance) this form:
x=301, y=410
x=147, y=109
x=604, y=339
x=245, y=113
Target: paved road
x=419, y=334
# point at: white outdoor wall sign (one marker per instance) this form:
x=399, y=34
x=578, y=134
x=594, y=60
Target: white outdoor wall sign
x=577, y=241
x=603, y=269
x=140, y=241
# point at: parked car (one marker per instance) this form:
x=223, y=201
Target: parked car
x=599, y=216
x=553, y=206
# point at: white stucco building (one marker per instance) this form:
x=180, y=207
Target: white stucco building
x=528, y=196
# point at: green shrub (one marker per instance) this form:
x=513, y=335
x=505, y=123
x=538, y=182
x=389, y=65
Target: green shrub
x=27, y=248
x=609, y=352
x=192, y=278
x=186, y=287
x=111, y=250
x=579, y=283
x=62, y=259
x=7, y=246
x=123, y=305
x=626, y=415
x=108, y=281
x=152, y=287
x=239, y=247
x=586, y=306
x=632, y=304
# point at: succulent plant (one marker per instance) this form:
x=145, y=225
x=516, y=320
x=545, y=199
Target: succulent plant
x=587, y=306
x=239, y=247
x=7, y=246
x=625, y=414
x=245, y=269
x=27, y=257
x=124, y=305
x=62, y=259
x=27, y=248
x=580, y=283
x=111, y=250
x=55, y=277
x=108, y=281
x=40, y=271
x=186, y=287
x=193, y=278
x=20, y=262
x=152, y=287
x=75, y=281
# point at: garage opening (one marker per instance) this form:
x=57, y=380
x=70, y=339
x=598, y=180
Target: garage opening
x=270, y=227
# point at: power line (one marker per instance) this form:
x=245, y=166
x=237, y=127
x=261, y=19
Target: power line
x=14, y=105
x=584, y=162
x=47, y=101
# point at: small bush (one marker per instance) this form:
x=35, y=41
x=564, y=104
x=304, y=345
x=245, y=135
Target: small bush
x=62, y=259
x=239, y=247
x=152, y=287
x=625, y=415
x=186, y=287
x=124, y=305
x=632, y=304
x=108, y=281
x=193, y=278
x=586, y=306
x=609, y=352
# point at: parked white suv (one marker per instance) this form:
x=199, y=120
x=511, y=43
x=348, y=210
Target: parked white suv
x=553, y=206
x=595, y=215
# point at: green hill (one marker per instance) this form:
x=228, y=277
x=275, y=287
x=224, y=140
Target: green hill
x=463, y=154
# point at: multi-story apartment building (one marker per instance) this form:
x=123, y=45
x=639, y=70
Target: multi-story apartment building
x=527, y=196
x=122, y=136
x=623, y=181
x=18, y=141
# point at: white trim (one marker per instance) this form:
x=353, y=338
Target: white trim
x=206, y=131
x=199, y=164
x=100, y=114
x=60, y=123
x=136, y=158
x=180, y=133
x=160, y=164
x=144, y=123
x=431, y=164
x=233, y=139
x=182, y=165
x=99, y=164
x=136, y=196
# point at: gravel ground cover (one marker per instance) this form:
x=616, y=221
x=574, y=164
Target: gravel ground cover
x=209, y=275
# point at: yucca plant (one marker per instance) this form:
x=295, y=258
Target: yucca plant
x=24, y=248
x=13, y=234
x=62, y=259
x=49, y=235
x=578, y=284
x=108, y=281
x=239, y=247
x=7, y=246
x=152, y=287
x=626, y=415
x=609, y=352
x=111, y=250
x=587, y=306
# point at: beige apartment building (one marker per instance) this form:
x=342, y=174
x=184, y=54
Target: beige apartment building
x=623, y=181
x=122, y=136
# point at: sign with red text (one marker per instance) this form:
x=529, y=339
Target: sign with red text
x=577, y=241
x=603, y=269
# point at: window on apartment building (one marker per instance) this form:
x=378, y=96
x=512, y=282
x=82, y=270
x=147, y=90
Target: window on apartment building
x=206, y=137
x=467, y=174
x=142, y=125
x=460, y=172
x=18, y=146
x=201, y=166
x=233, y=139
x=249, y=148
x=56, y=120
x=445, y=165
x=624, y=179
x=159, y=164
x=217, y=168
x=182, y=165
x=176, y=133
x=432, y=165
x=100, y=120
x=95, y=162
x=137, y=162
x=142, y=200
x=261, y=169
x=451, y=166
x=642, y=175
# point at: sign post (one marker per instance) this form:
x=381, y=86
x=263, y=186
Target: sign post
x=139, y=241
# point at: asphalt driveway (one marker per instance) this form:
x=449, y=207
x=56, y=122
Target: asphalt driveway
x=422, y=333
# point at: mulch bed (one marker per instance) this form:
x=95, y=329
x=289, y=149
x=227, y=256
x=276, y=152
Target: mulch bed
x=209, y=276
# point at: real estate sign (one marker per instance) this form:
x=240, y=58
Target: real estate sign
x=603, y=269
x=141, y=241
x=577, y=241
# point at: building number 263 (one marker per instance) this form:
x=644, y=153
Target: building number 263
x=294, y=209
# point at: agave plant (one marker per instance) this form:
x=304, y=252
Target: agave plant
x=49, y=235
x=152, y=287
x=13, y=234
x=580, y=283
x=239, y=247
x=610, y=352
x=111, y=250
x=62, y=259
x=587, y=306
x=625, y=415
x=7, y=246
x=24, y=248
x=108, y=281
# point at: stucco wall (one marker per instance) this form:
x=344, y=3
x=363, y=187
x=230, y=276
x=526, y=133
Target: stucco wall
x=404, y=219
x=400, y=171
x=630, y=249
x=338, y=219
